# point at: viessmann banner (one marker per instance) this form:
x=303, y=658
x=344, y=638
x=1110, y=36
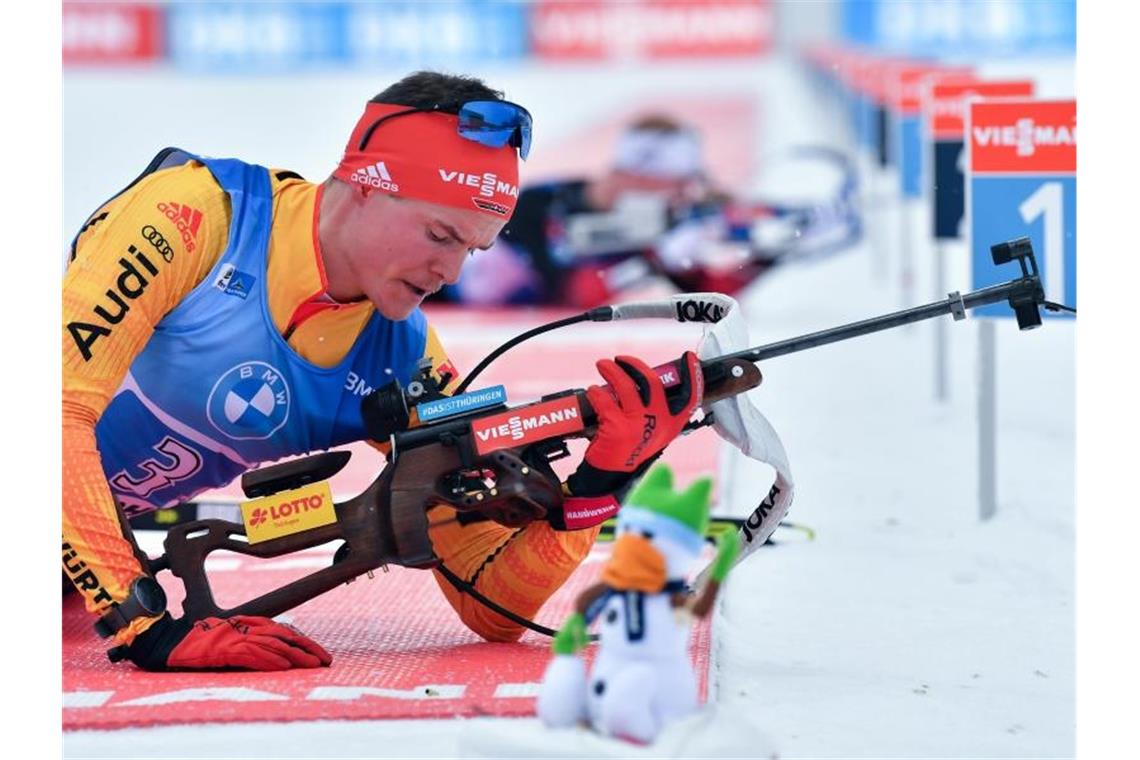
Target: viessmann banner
x=562, y=30
x=238, y=37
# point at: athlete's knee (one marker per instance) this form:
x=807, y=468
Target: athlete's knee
x=478, y=617
x=490, y=625
x=520, y=575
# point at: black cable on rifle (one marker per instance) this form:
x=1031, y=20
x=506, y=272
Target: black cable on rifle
x=466, y=588
x=1057, y=307
x=600, y=314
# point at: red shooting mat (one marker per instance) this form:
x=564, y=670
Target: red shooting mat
x=399, y=650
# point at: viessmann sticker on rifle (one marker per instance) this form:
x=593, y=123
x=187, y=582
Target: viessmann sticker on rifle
x=288, y=512
x=519, y=427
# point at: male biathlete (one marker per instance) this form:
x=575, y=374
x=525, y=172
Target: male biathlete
x=219, y=315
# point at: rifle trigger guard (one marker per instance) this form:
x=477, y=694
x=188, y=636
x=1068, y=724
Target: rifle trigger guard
x=502, y=487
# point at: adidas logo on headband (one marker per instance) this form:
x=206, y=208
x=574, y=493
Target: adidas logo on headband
x=375, y=175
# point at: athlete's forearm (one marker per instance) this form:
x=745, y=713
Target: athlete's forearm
x=96, y=556
x=131, y=267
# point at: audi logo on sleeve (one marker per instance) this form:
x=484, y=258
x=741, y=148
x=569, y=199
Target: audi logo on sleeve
x=160, y=243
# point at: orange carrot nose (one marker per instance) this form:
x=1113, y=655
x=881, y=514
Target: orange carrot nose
x=636, y=565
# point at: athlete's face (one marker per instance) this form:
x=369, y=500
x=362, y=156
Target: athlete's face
x=674, y=191
x=399, y=250
x=609, y=191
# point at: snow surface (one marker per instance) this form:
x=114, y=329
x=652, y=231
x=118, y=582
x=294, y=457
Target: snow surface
x=908, y=628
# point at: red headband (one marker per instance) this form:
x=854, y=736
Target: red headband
x=423, y=156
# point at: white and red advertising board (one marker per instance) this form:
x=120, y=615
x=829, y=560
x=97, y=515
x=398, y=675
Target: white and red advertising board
x=904, y=86
x=600, y=30
x=112, y=33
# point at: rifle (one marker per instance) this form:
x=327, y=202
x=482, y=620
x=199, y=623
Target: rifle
x=493, y=461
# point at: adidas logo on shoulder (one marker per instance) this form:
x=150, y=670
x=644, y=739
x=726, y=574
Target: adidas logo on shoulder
x=186, y=219
x=375, y=175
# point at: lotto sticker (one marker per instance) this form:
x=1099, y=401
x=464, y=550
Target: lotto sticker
x=288, y=512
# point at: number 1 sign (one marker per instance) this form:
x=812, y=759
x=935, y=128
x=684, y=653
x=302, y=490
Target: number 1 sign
x=1022, y=166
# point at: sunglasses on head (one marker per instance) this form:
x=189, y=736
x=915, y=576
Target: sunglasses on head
x=493, y=123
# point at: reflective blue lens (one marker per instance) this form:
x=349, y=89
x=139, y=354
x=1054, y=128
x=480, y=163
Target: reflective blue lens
x=496, y=123
x=493, y=123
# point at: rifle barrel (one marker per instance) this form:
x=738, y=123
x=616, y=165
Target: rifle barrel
x=1025, y=287
x=952, y=303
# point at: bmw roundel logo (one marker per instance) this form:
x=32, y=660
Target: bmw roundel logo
x=249, y=402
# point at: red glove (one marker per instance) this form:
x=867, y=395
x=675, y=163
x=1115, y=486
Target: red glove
x=242, y=642
x=634, y=428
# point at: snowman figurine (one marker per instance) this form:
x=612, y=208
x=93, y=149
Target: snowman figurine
x=642, y=678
